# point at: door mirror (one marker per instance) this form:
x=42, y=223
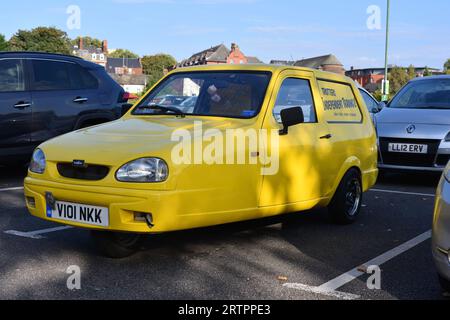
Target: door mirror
x=126, y=107
x=381, y=105
x=291, y=117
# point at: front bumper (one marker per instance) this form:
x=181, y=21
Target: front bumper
x=441, y=230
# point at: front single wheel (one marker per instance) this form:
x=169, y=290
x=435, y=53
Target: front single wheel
x=116, y=245
x=346, y=204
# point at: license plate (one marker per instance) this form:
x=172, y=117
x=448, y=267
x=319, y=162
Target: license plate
x=80, y=213
x=408, y=148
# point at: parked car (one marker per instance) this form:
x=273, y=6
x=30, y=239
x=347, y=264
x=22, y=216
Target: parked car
x=147, y=179
x=44, y=95
x=441, y=230
x=414, y=128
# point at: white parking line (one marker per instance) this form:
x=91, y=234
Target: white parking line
x=404, y=192
x=36, y=234
x=11, y=189
x=330, y=288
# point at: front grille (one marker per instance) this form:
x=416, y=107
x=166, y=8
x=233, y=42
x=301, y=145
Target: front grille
x=90, y=172
x=409, y=159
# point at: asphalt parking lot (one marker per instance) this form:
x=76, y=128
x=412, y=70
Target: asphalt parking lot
x=298, y=256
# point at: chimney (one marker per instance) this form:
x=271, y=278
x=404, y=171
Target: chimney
x=105, y=46
x=234, y=46
x=80, y=46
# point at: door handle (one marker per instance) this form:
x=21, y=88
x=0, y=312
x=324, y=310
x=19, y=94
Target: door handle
x=22, y=105
x=80, y=100
x=328, y=136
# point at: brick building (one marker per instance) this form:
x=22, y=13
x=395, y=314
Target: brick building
x=91, y=53
x=218, y=55
x=129, y=66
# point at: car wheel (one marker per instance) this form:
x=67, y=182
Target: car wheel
x=116, y=245
x=346, y=203
x=445, y=284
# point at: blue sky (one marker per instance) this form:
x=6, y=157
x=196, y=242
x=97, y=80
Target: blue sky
x=269, y=29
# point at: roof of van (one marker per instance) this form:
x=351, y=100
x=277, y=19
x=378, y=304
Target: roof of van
x=275, y=69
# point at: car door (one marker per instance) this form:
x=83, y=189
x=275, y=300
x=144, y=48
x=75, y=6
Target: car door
x=15, y=105
x=304, y=151
x=62, y=91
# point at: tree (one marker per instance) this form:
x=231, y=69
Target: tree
x=123, y=53
x=398, y=77
x=155, y=66
x=41, y=39
x=447, y=66
x=3, y=43
x=427, y=72
x=87, y=42
x=411, y=72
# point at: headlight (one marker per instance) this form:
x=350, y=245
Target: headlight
x=37, y=164
x=143, y=170
x=447, y=172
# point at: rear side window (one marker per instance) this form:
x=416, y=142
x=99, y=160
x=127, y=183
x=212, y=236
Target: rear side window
x=81, y=78
x=11, y=75
x=295, y=93
x=339, y=102
x=50, y=75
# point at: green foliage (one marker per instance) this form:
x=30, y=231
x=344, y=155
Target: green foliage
x=156, y=65
x=447, y=66
x=43, y=39
x=411, y=72
x=378, y=94
x=87, y=42
x=123, y=53
x=3, y=43
x=398, y=77
x=427, y=72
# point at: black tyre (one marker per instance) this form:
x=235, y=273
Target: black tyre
x=346, y=204
x=116, y=245
x=445, y=284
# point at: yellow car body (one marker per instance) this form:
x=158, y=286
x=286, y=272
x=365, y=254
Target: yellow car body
x=311, y=166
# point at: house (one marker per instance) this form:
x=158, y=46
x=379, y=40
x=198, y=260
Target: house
x=326, y=63
x=372, y=78
x=135, y=84
x=128, y=66
x=217, y=55
x=91, y=53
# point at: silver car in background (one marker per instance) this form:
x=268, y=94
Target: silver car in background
x=441, y=230
x=414, y=129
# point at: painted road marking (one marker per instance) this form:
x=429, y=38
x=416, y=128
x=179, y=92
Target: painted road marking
x=38, y=233
x=330, y=288
x=404, y=192
x=11, y=189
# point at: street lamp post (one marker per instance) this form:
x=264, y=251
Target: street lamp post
x=386, y=80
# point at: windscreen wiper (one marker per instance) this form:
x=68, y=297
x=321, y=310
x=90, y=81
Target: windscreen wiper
x=165, y=109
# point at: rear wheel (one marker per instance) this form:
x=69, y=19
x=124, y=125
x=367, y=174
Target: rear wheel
x=116, y=245
x=346, y=204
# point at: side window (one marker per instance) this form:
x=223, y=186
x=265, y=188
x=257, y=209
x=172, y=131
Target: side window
x=339, y=102
x=295, y=93
x=370, y=102
x=11, y=75
x=81, y=78
x=50, y=75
